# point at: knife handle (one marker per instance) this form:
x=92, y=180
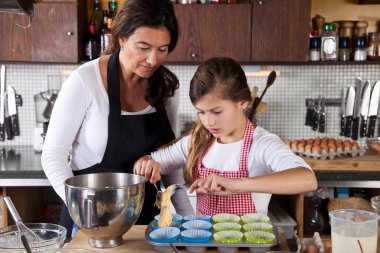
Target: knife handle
x=321, y=126
x=363, y=128
x=2, y=133
x=315, y=121
x=347, y=130
x=15, y=125
x=309, y=117
x=342, y=125
x=8, y=128
x=371, y=126
x=355, y=128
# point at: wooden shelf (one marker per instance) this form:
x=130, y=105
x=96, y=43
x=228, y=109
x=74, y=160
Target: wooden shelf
x=366, y=163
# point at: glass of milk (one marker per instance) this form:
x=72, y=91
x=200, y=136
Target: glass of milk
x=354, y=231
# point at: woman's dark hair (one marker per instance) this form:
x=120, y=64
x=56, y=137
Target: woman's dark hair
x=153, y=14
x=226, y=78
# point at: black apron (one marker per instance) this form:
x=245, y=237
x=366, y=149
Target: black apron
x=129, y=138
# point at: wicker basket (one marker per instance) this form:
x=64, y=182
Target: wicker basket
x=349, y=203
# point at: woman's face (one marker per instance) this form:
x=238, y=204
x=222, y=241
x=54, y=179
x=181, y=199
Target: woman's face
x=223, y=118
x=145, y=50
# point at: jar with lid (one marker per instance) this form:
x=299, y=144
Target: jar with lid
x=315, y=49
x=360, y=53
x=329, y=43
x=344, y=49
x=373, y=52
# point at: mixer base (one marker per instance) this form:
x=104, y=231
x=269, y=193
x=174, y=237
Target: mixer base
x=105, y=243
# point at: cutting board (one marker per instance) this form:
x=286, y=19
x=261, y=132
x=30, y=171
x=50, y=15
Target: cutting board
x=368, y=162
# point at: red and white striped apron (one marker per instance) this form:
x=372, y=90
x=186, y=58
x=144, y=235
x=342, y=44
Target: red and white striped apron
x=239, y=204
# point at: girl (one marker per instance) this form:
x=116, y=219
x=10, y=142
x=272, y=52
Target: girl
x=234, y=165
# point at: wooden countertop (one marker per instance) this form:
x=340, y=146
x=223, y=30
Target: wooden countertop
x=134, y=241
x=366, y=163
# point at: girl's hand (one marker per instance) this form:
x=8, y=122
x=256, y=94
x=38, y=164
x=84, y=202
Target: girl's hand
x=145, y=166
x=215, y=184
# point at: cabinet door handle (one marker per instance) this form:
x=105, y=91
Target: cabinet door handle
x=261, y=2
x=70, y=33
x=194, y=55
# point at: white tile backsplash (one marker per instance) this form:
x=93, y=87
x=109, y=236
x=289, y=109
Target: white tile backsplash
x=285, y=98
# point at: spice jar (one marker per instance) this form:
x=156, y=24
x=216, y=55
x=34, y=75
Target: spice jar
x=344, y=50
x=315, y=49
x=360, y=53
x=373, y=52
x=329, y=43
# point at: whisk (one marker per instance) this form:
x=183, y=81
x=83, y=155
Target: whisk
x=33, y=239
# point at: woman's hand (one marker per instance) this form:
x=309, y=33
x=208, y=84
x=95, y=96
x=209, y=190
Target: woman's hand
x=145, y=166
x=215, y=184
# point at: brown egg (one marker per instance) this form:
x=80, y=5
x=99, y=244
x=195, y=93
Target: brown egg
x=311, y=248
x=294, y=145
x=332, y=147
x=337, y=142
x=317, y=140
x=323, y=145
x=308, y=147
x=347, y=142
x=310, y=141
x=355, y=144
x=288, y=143
x=301, y=144
x=331, y=141
x=316, y=149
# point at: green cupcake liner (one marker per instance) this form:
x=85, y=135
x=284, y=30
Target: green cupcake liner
x=259, y=237
x=225, y=217
x=223, y=226
x=254, y=217
x=258, y=226
x=228, y=236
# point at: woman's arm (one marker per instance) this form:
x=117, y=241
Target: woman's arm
x=291, y=181
x=66, y=119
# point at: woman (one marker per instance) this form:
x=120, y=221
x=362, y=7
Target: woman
x=115, y=109
x=233, y=166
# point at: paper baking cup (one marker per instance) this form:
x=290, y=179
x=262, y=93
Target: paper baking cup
x=223, y=226
x=196, y=235
x=176, y=217
x=259, y=237
x=173, y=224
x=258, y=226
x=197, y=224
x=228, y=236
x=225, y=217
x=164, y=235
x=197, y=217
x=254, y=217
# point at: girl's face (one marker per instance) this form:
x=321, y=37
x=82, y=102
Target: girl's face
x=223, y=118
x=145, y=50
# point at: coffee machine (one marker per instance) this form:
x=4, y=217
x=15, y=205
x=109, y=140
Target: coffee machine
x=44, y=103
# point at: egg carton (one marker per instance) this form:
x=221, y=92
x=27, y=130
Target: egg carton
x=310, y=245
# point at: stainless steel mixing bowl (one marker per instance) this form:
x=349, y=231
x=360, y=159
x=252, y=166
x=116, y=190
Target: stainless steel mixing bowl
x=105, y=205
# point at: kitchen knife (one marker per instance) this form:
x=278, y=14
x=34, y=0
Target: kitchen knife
x=310, y=113
x=2, y=102
x=7, y=120
x=12, y=109
x=350, y=102
x=316, y=114
x=322, y=117
x=373, y=106
x=343, y=111
x=364, y=108
x=356, y=115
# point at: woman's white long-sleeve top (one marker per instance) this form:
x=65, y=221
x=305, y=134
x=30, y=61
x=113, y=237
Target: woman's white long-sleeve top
x=79, y=127
x=268, y=154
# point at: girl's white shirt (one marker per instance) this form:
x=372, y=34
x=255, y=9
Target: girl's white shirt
x=268, y=154
x=79, y=127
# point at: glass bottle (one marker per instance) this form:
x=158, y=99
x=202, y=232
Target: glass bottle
x=112, y=7
x=344, y=49
x=104, y=21
x=373, y=52
x=95, y=18
x=315, y=49
x=92, y=47
x=106, y=37
x=360, y=53
x=329, y=43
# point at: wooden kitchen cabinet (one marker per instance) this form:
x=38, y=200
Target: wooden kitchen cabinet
x=56, y=33
x=280, y=30
x=263, y=31
x=208, y=30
